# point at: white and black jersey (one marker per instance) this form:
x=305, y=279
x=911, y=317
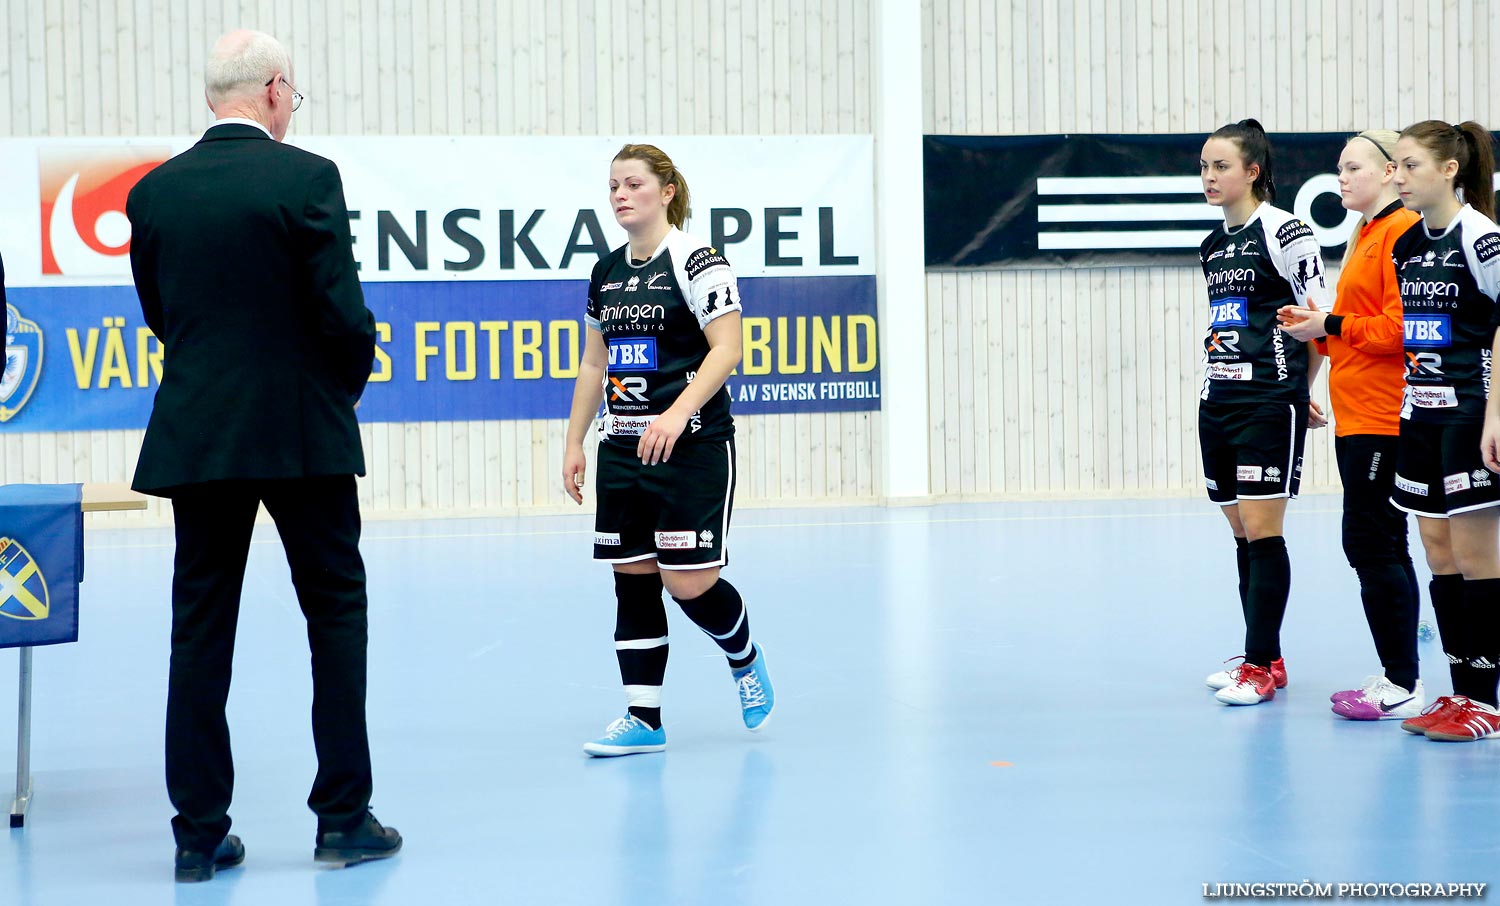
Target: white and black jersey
x=652, y=315
x=1449, y=282
x=1253, y=270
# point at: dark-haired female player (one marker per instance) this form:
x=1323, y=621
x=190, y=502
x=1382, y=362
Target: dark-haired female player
x=1255, y=407
x=1448, y=268
x=664, y=335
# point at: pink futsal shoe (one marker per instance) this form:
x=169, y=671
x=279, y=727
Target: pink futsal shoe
x=1381, y=700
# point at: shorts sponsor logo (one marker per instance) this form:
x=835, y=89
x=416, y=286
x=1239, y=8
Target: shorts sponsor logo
x=1248, y=473
x=1229, y=312
x=674, y=541
x=1434, y=397
x=1217, y=371
x=705, y=538
x=1411, y=487
x=1482, y=478
x=1452, y=484
x=1212, y=485
x=1273, y=474
x=607, y=539
x=1428, y=330
x=632, y=354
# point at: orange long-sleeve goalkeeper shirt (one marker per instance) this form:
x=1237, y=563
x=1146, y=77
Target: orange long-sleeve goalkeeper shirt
x=1367, y=375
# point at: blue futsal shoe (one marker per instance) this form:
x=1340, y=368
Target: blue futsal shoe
x=757, y=698
x=627, y=736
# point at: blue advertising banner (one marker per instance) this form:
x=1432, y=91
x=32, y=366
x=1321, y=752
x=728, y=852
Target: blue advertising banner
x=41, y=563
x=82, y=359
x=476, y=278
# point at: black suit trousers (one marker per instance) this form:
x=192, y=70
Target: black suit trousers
x=318, y=520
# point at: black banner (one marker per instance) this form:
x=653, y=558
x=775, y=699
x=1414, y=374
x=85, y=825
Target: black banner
x=1103, y=200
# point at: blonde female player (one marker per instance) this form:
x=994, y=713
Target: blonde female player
x=1255, y=407
x=1364, y=345
x=663, y=335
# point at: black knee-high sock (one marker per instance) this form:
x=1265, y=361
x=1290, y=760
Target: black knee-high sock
x=1447, y=592
x=1482, y=612
x=1242, y=562
x=721, y=614
x=1387, y=592
x=1265, y=601
x=641, y=642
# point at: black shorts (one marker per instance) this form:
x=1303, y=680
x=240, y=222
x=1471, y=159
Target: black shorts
x=1251, y=451
x=1439, y=470
x=676, y=512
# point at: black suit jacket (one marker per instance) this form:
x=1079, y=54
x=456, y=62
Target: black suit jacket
x=244, y=265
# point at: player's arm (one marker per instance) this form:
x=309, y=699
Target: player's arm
x=588, y=393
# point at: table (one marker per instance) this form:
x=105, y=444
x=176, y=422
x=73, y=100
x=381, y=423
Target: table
x=97, y=498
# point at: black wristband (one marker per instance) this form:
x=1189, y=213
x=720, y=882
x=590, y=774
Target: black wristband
x=1333, y=325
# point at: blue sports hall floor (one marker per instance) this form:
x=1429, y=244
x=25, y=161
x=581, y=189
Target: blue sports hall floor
x=983, y=703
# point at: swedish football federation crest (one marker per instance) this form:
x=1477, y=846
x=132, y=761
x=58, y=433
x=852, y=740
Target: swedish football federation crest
x=23, y=588
x=23, y=362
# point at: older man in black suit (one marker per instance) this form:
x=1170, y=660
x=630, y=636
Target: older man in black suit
x=245, y=270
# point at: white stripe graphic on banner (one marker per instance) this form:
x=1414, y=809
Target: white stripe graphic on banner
x=1123, y=239
x=1066, y=213
x=1119, y=185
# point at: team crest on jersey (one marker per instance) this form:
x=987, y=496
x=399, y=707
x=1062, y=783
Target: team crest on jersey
x=23, y=588
x=1448, y=257
x=23, y=362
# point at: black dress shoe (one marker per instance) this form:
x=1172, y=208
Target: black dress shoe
x=365, y=841
x=199, y=866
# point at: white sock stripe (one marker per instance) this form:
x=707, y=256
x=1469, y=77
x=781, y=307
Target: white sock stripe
x=643, y=696
x=749, y=647
x=730, y=634
x=640, y=644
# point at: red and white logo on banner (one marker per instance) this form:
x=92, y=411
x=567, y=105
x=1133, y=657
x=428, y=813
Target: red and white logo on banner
x=83, y=190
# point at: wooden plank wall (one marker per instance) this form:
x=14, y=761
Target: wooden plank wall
x=1083, y=381
x=463, y=67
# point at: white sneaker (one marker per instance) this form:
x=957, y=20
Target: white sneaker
x=1383, y=700
x=1254, y=685
x=1224, y=678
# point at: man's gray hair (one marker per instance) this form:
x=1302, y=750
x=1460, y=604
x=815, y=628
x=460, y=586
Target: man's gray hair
x=243, y=61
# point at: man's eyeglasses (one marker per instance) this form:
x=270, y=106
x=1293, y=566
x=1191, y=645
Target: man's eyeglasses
x=297, y=96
